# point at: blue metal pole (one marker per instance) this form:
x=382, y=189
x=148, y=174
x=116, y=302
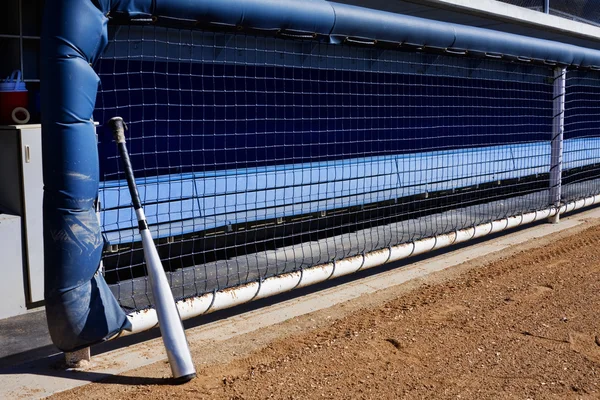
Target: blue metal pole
x=547, y=6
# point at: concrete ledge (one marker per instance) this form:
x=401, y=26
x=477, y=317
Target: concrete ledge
x=516, y=14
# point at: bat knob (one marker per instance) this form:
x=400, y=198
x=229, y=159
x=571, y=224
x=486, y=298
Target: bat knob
x=118, y=127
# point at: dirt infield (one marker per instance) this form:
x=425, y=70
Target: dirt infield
x=521, y=324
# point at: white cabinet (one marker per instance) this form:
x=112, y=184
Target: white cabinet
x=21, y=193
x=12, y=284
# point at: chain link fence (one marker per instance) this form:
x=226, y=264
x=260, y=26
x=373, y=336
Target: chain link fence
x=587, y=11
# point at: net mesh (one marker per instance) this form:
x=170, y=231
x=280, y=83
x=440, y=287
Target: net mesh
x=586, y=11
x=537, y=5
x=581, y=154
x=257, y=155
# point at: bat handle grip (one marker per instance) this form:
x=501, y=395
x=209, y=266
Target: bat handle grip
x=118, y=128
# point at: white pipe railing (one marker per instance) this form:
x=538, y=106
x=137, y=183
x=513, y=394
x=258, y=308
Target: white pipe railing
x=223, y=299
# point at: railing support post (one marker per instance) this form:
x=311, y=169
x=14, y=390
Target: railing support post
x=558, y=127
x=547, y=6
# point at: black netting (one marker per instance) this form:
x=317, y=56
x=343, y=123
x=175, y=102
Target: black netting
x=581, y=154
x=257, y=155
x=537, y=5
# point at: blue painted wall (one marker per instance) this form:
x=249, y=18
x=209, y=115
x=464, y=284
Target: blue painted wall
x=191, y=117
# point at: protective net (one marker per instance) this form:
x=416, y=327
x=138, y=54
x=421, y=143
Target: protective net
x=537, y=5
x=586, y=11
x=581, y=154
x=258, y=155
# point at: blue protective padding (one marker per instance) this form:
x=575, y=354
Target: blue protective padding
x=76, y=318
x=305, y=16
x=131, y=8
x=315, y=16
x=341, y=21
x=79, y=306
x=187, y=203
x=359, y=22
x=366, y=23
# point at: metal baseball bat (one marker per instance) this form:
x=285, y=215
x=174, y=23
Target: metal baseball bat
x=169, y=321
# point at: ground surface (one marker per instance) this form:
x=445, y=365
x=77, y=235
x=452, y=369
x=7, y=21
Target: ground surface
x=520, y=324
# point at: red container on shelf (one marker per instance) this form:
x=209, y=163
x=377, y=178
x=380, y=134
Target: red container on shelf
x=13, y=100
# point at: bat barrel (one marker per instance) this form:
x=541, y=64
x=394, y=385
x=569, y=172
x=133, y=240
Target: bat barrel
x=169, y=321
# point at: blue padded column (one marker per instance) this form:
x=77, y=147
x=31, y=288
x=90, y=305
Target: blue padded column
x=315, y=16
x=80, y=308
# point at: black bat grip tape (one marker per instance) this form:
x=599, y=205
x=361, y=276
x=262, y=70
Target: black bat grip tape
x=117, y=126
x=135, y=197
